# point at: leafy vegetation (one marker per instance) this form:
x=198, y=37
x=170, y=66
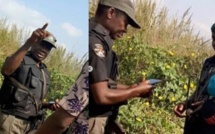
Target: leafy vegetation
x=165, y=48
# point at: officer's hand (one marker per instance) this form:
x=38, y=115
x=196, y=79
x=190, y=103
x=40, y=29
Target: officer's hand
x=179, y=109
x=145, y=88
x=39, y=34
x=55, y=106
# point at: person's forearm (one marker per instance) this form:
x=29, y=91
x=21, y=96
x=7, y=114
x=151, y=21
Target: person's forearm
x=13, y=62
x=117, y=96
x=121, y=86
x=50, y=127
x=114, y=96
x=56, y=123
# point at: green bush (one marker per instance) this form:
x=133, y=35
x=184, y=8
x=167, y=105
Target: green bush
x=155, y=115
x=60, y=85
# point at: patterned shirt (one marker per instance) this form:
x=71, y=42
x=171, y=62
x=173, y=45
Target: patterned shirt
x=75, y=102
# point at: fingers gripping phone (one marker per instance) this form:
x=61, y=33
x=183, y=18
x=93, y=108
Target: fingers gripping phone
x=48, y=104
x=154, y=81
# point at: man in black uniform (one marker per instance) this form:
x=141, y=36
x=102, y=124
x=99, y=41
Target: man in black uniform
x=200, y=107
x=110, y=23
x=26, y=82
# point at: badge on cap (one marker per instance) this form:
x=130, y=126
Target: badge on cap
x=99, y=50
x=51, y=38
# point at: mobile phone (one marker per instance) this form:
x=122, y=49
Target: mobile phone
x=51, y=102
x=154, y=81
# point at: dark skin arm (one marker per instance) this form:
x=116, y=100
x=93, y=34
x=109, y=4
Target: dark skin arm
x=56, y=123
x=14, y=61
x=123, y=87
x=105, y=96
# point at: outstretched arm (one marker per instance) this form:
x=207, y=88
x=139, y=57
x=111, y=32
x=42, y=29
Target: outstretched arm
x=105, y=96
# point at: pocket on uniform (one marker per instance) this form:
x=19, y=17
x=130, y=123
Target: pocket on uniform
x=20, y=95
x=34, y=81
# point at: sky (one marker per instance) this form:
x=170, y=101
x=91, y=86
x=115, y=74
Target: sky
x=202, y=12
x=67, y=19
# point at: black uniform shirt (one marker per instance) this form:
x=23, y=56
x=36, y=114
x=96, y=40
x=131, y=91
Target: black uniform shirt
x=100, y=45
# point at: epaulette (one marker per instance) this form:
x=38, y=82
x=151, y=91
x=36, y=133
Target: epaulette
x=100, y=32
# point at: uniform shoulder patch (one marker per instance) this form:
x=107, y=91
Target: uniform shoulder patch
x=99, y=50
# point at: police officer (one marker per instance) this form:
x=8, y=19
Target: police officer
x=73, y=109
x=200, y=107
x=26, y=82
x=110, y=23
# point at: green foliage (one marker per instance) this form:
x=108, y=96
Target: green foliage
x=139, y=60
x=64, y=62
x=164, y=48
x=148, y=118
x=64, y=68
x=9, y=38
x=60, y=85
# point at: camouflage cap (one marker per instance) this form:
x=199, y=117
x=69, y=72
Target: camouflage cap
x=124, y=5
x=51, y=39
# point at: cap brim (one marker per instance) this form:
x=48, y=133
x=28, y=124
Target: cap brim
x=49, y=43
x=134, y=23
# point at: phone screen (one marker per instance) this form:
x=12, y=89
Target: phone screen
x=154, y=81
x=51, y=102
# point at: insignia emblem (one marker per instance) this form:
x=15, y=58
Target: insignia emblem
x=90, y=68
x=99, y=50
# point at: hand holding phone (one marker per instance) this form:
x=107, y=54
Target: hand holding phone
x=52, y=105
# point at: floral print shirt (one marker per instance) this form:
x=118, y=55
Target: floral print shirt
x=75, y=102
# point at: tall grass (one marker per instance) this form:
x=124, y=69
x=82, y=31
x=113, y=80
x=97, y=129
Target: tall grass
x=65, y=62
x=171, y=33
x=159, y=29
x=10, y=37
